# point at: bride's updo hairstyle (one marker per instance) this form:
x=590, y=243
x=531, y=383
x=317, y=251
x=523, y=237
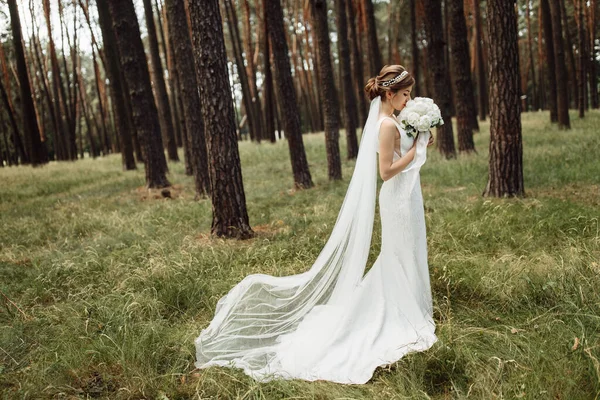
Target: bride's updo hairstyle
x=391, y=78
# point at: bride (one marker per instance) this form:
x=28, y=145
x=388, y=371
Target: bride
x=331, y=322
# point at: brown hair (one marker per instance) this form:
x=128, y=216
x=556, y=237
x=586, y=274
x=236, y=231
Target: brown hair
x=374, y=88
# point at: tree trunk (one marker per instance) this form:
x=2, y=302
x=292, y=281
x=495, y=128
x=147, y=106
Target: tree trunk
x=550, y=59
x=375, y=62
x=414, y=48
x=461, y=76
x=172, y=83
x=186, y=73
x=506, y=150
x=158, y=82
x=569, y=56
x=582, y=59
x=267, y=90
x=137, y=77
x=114, y=73
x=593, y=75
x=346, y=77
x=289, y=105
x=251, y=73
x=480, y=64
x=36, y=152
x=230, y=217
x=438, y=75
x=535, y=98
x=12, y=117
x=561, y=78
x=356, y=65
x=236, y=43
x=328, y=93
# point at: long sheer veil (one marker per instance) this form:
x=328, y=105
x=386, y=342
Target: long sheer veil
x=250, y=319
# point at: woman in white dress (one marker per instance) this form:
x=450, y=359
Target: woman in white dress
x=331, y=322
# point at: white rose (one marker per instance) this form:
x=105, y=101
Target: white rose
x=433, y=115
x=424, y=123
x=412, y=118
x=420, y=108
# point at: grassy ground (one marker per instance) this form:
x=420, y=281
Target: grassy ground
x=105, y=287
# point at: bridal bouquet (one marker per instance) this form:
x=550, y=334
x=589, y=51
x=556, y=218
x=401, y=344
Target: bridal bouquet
x=420, y=114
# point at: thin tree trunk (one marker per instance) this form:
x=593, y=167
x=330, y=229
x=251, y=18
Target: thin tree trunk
x=36, y=152
x=356, y=65
x=328, y=93
x=181, y=44
x=550, y=60
x=123, y=124
x=561, y=78
x=346, y=77
x=438, y=75
x=506, y=151
x=480, y=64
x=582, y=59
x=569, y=56
x=375, y=62
x=135, y=71
x=160, y=89
x=535, y=97
x=12, y=117
x=414, y=47
x=230, y=217
x=461, y=76
x=251, y=73
x=269, y=132
x=593, y=75
x=239, y=60
x=289, y=104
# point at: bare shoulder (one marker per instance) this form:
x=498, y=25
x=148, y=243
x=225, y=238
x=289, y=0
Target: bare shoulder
x=388, y=128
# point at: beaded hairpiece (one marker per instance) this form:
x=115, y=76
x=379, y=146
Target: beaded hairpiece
x=394, y=80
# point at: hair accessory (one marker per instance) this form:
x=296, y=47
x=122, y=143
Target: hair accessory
x=394, y=80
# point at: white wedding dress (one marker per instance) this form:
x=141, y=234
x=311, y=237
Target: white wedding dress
x=331, y=323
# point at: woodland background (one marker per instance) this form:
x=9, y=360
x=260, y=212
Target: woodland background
x=159, y=129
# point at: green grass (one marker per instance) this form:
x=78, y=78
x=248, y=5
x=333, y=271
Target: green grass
x=106, y=287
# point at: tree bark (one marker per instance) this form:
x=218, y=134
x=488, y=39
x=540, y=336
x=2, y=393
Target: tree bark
x=160, y=89
x=582, y=59
x=328, y=92
x=36, y=152
x=236, y=43
x=593, y=76
x=561, y=78
x=550, y=59
x=356, y=65
x=506, y=151
x=114, y=73
x=230, y=217
x=535, y=98
x=461, y=76
x=251, y=72
x=346, y=77
x=186, y=73
x=438, y=75
x=137, y=77
x=375, y=62
x=289, y=104
x=414, y=47
x=269, y=110
x=569, y=56
x=480, y=64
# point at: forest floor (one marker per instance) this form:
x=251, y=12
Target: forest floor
x=105, y=285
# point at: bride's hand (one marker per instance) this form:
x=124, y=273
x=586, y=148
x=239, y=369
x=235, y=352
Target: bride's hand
x=431, y=140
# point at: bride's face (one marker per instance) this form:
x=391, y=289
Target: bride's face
x=399, y=99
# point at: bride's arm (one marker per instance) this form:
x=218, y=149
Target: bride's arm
x=388, y=168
